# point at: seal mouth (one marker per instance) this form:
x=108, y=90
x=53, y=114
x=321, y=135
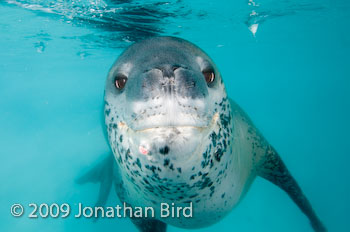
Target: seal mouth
x=212, y=122
x=171, y=127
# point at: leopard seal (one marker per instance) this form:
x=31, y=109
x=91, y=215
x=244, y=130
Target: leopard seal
x=177, y=137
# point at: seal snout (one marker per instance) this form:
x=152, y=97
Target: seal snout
x=168, y=70
x=168, y=78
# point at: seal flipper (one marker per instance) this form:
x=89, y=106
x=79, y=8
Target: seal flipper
x=149, y=225
x=102, y=173
x=273, y=169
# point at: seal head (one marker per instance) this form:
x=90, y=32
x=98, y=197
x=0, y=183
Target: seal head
x=164, y=92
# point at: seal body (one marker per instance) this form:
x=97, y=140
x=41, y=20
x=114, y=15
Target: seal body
x=177, y=138
x=176, y=143
x=213, y=178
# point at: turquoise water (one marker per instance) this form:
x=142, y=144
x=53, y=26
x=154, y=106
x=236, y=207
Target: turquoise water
x=285, y=62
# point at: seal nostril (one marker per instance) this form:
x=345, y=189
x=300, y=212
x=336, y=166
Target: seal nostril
x=164, y=150
x=175, y=67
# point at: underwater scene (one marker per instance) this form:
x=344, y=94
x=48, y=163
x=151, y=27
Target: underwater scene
x=65, y=106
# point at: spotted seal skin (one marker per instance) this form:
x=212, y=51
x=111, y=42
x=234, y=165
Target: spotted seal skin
x=177, y=138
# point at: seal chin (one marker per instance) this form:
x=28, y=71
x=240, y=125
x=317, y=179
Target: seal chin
x=168, y=142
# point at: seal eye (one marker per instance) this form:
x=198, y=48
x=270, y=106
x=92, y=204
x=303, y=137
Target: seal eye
x=209, y=75
x=120, y=81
